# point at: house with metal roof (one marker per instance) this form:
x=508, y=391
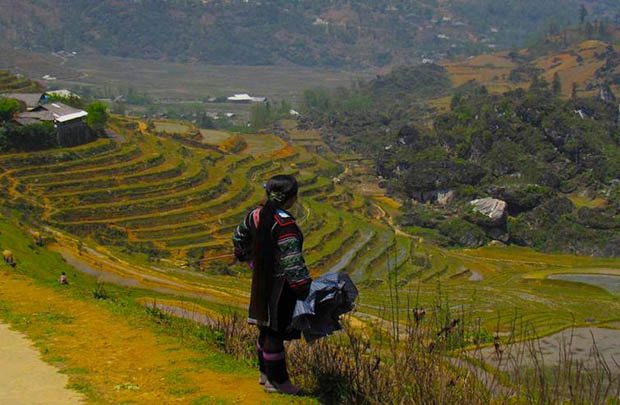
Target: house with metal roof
x=69, y=122
x=246, y=99
x=30, y=101
x=62, y=93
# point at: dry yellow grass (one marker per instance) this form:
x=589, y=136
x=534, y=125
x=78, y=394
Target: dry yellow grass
x=390, y=202
x=213, y=136
x=493, y=70
x=582, y=201
x=490, y=70
x=120, y=362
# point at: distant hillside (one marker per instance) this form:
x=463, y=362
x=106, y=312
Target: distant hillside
x=586, y=64
x=309, y=32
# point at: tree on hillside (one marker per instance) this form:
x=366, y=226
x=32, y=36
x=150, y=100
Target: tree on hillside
x=557, y=84
x=26, y=138
x=583, y=13
x=589, y=30
x=538, y=83
x=73, y=101
x=97, y=116
x=573, y=94
x=8, y=108
x=260, y=115
x=602, y=31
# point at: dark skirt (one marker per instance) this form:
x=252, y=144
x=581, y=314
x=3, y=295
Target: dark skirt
x=281, y=307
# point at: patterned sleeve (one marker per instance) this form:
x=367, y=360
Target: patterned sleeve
x=242, y=239
x=292, y=264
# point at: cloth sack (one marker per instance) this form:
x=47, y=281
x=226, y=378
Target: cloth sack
x=331, y=296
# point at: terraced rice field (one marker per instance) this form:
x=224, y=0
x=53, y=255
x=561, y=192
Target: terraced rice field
x=158, y=211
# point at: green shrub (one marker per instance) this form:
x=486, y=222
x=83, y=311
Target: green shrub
x=463, y=233
x=8, y=108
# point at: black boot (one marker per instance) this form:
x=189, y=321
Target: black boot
x=261, y=365
x=275, y=365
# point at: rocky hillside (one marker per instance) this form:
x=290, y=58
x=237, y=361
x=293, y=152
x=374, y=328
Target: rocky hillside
x=540, y=164
x=337, y=33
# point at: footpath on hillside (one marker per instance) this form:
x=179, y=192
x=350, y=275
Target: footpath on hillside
x=25, y=378
x=105, y=357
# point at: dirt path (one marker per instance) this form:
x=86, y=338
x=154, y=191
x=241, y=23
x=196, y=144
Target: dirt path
x=25, y=378
x=112, y=361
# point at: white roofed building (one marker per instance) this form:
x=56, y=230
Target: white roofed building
x=62, y=93
x=69, y=122
x=246, y=99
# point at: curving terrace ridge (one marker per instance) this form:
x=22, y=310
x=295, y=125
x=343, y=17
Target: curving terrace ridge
x=163, y=194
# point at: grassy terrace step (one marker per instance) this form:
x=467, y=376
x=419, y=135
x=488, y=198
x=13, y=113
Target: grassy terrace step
x=140, y=162
x=124, y=174
x=130, y=158
x=122, y=210
x=331, y=227
x=351, y=249
x=135, y=192
x=203, y=198
x=19, y=84
x=262, y=177
x=190, y=142
x=307, y=163
x=156, y=173
x=305, y=182
x=184, y=229
x=185, y=217
x=194, y=240
x=227, y=218
x=322, y=185
x=390, y=259
x=152, y=184
x=230, y=217
x=378, y=264
x=193, y=231
x=372, y=243
x=358, y=268
x=115, y=155
x=19, y=160
x=194, y=182
x=167, y=232
x=255, y=170
x=332, y=249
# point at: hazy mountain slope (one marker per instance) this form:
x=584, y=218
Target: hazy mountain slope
x=329, y=33
x=587, y=64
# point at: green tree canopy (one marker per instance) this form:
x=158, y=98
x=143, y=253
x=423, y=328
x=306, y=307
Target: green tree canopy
x=8, y=108
x=97, y=116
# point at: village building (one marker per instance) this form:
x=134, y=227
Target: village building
x=71, y=130
x=62, y=93
x=246, y=99
x=29, y=101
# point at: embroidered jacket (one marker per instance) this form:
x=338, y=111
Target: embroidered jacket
x=290, y=262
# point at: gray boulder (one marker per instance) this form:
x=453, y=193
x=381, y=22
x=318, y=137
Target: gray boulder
x=493, y=209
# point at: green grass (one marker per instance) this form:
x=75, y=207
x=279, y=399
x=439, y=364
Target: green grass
x=172, y=127
x=213, y=136
x=581, y=201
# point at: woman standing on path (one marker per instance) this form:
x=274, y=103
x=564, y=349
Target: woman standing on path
x=272, y=242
